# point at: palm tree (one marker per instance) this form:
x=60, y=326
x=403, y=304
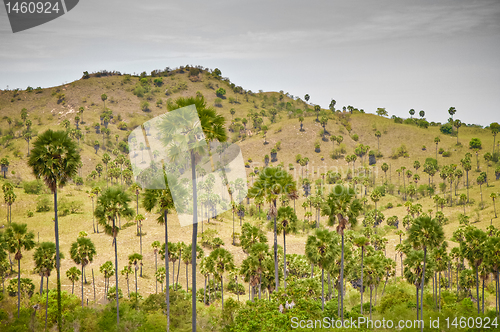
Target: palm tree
x=73, y=275
x=362, y=242
x=425, y=233
x=18, y=239
x=45, y=260
x=273, y=182
x=341, y=205
x=374, y=268
x=223, y=261
x=322, y=250
x=287, y=223
x=82, y=253
x=112, y=204
x=437, y=140
x=126, y=271
x=156, y=246
x=473, y=250
x=139, y=218
x=55, y=158
x=180, y=133
x=187, y=259
x=162, y=198
x=134, y=259
x=493, y=196
x=481, y=179
x=492, y=253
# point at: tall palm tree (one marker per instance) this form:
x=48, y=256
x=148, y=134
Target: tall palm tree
x=55, y=158
x=73, y=275
x=374, y=268
x=156, y=246
x=187, y=259
x=19, y=239
x=82, y=253
x=181, y=133
x=425, y=233
x=271, y=184
x=162, y=199
x=223, y=261
x=361, y=242
x=134, y=259
x=45, y=260
x=492, y=253
x=139, y=218
x=322, y=250
x=113, y=203
x=287, y=222
x=473, y=250
x=341, y=205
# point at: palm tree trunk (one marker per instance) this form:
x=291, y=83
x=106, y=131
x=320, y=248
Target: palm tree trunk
x=135, y=270
x=371, y=289
x=362, y=283
x=385, y=284
x=477, y=290
x=222, y=290
x=422, y=290
x=140, y=239
x=128, y=286
x=18, y=286
x=195, y=237
x=58, y=267
x=342, y=280
x=41, y=285
x=284, y=258
x=156, y=270
x=439, y=285
x=416, y=287
x=187, y=280
x=116, y=278
x=205, y=292
x=82, y=285
x=322, y=289
x=483, y=296
x=46, y=303
x=276, y=278
x=93, y=218
x=167, y=290
x=178, y=270
x=260, y=283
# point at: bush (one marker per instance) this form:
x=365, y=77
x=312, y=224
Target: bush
x=447, y=129
x=27, y=287
x=441, y=151
x=220, y=92
x=446, y=153
x=30, y=213
x=355, y=137
x=122, y=126
x=35, y=187
x=145, y=106
x=44, y=204
x=402, y=151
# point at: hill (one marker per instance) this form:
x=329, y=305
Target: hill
x=258, y=122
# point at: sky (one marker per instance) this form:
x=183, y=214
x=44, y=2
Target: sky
x=426, y=55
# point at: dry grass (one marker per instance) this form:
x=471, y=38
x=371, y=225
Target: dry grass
x=87, y=93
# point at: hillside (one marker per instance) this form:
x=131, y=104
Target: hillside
x=133, y=100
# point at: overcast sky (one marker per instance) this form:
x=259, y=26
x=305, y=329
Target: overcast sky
x=426, y=55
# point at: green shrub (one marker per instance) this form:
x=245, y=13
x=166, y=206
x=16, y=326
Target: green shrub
x=446, y=153
x=355, y=137
x=27, y=287
x=34, y=187
x=44, y=204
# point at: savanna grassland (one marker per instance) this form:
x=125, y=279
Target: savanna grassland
x=258, y=122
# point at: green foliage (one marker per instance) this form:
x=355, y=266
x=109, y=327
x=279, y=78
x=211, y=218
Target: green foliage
x=475, y=143
x=66, y=207
x=447, y=129
x=44, y=204
x=27, y=287
x=393, y=298
x=34, y=187
x=402, y=151
x=220, y=92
